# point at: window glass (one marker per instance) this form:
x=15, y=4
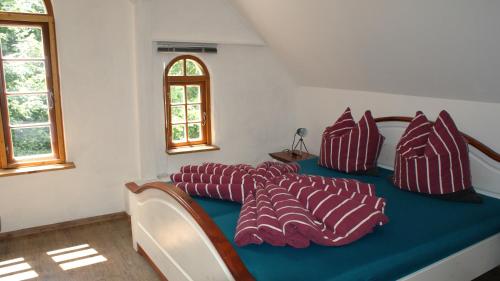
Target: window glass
x=194, y=112
x=194, y=131
x=31, y=142
x=193, y=68
x=179, y=133
x=177, y=95
x=28, y=109
x=193, y=93
x=177, y=69
x=23, y=6
x=21, y=42
x=178, y=114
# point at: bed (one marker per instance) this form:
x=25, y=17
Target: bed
x=188, y=238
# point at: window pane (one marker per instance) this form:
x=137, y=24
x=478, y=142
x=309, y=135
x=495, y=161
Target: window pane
x=31, y=141
x=194, y=131
x=23, y=6
x=177, y=69
x=193, y=68
x=193, y=94
x=28, y=109
x=179, y=133
x=25, y=76
x=194, y=112
x=21, y=42
x=178, y=114
x=177, y=95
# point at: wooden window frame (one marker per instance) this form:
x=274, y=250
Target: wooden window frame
x=204, y=83
x=47, y=23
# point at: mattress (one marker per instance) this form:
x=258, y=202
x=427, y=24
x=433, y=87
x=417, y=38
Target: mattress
x=421, y=231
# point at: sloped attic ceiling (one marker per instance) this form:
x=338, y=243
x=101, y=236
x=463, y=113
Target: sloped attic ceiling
x=437, y=48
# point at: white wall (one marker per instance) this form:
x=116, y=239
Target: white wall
x=207, y=21
x=318, y=108
x=252, y=94
x=95, y=46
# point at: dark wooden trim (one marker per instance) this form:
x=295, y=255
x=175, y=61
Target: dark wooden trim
x=221, y=244
x=143, y=253
x=287, y=156
x=62, y=225
x=48, y=7
x=472, y=141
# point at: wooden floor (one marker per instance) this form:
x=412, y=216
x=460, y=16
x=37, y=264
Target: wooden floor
x=111, y=239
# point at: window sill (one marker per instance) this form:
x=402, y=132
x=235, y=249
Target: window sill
x=192, y=149
x=36, y=169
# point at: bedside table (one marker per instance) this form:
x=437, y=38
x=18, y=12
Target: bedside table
x=287, y=157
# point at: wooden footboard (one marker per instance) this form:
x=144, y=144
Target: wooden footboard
x=178, y=237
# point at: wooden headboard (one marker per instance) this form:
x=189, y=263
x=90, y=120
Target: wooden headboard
x=485, y=162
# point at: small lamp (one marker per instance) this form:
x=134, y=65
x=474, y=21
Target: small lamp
x=301, y=132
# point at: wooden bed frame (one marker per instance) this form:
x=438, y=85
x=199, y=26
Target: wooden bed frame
x=181, y=242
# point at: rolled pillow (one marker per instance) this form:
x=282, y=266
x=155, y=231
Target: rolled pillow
x=434, y=160
x=350, y=147
x=246, y=229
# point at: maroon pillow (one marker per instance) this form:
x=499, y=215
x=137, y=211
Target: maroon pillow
x=246, y=229
x=229, y=192
x=346, y=218
x=434, y=160
x=268, y=225
x=350, y=147
x=228, y=182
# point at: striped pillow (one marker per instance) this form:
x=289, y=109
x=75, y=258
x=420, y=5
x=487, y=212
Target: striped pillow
x=350, y=147
x=230, y=192
x=292, y=212
x=344, y=216
x=434, y=159
x=246, y=229
x=228, y=182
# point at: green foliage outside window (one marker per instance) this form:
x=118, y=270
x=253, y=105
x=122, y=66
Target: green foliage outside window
x=28, y=109
x=23, y=6
x=25, y=76
x=194, y=131
x=178, y=133
x=177, y=69
x=193, y=68
x=31, y=141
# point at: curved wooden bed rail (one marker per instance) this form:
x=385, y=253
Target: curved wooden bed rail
x=472, y=141
x=221, y=244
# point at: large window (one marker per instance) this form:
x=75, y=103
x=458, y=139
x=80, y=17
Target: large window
x=31, y=132
x=187, y=103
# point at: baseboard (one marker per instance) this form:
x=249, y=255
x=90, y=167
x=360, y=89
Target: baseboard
x=63, y=225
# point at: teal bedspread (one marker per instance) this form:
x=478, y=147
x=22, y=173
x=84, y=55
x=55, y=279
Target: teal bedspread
x=421, y=231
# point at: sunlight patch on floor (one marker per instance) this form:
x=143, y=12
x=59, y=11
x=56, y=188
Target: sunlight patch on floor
x=11, y=261
x=51, y=253
x=76, y=256
x=16, y=270
x=82, y=262
x=20, y=276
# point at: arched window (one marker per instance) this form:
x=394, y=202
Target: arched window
x=187, y=102
x=31, y=132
